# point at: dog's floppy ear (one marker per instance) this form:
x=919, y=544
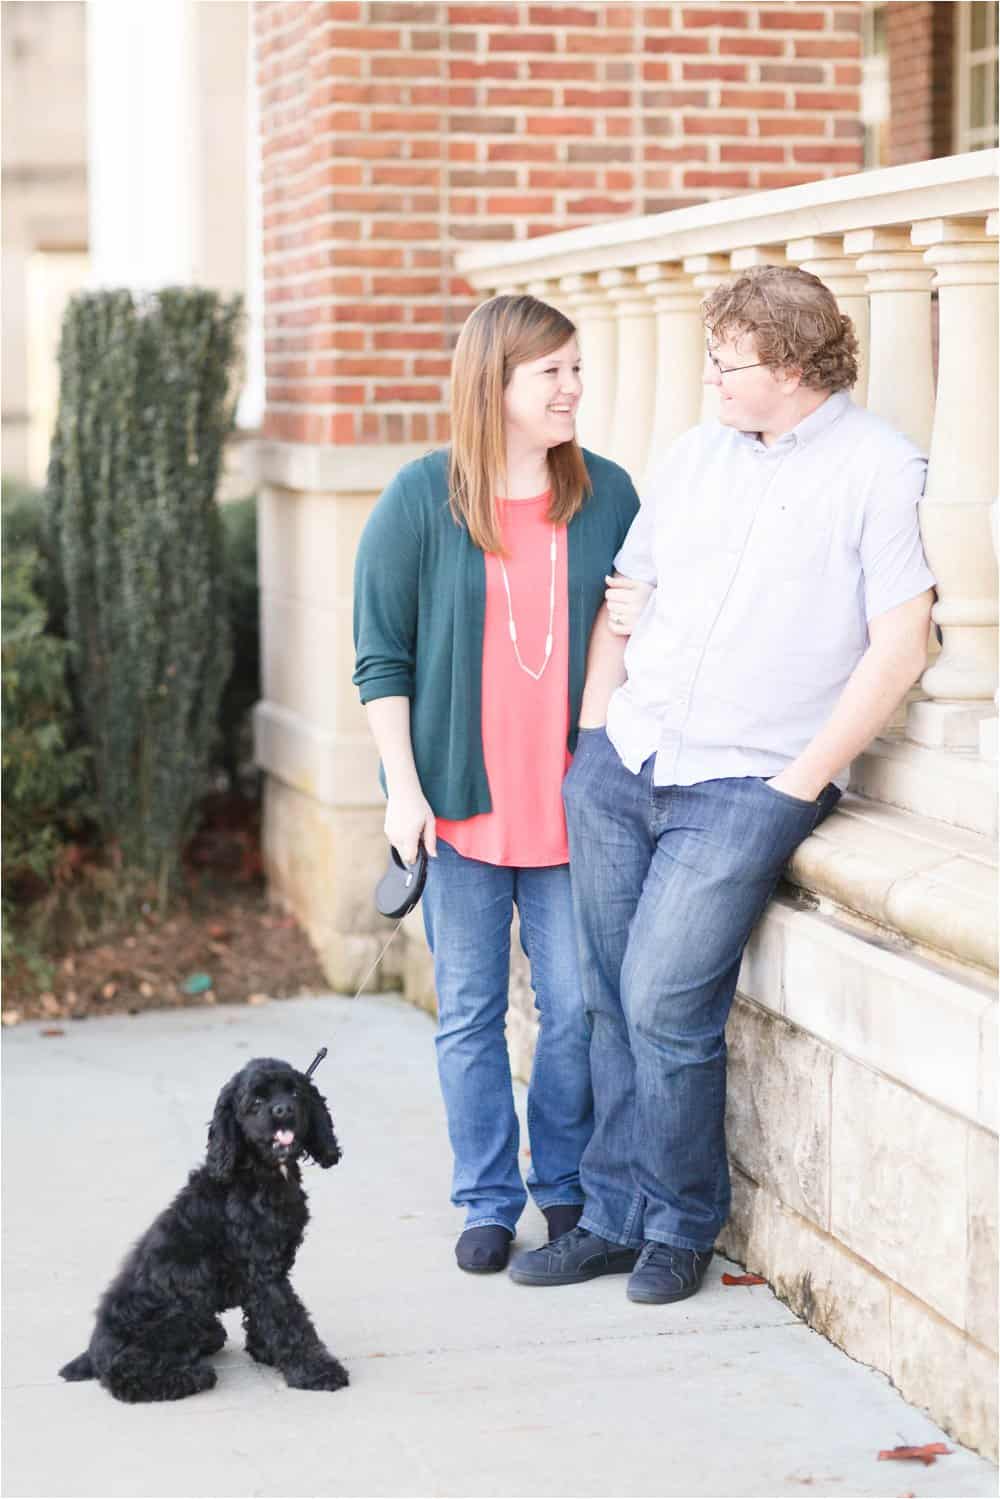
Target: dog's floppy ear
x=320, y=1141
x=224, y=1136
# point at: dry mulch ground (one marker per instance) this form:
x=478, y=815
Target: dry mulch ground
x=222, y=944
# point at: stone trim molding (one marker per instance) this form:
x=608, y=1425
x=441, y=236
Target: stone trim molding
x=927, y=883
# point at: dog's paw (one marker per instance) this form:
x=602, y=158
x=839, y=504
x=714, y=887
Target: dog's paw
x=319, y=1374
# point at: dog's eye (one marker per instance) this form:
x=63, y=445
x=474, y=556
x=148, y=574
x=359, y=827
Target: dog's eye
x=255, y=1104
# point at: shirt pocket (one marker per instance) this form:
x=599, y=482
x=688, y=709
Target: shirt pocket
x=793, y=545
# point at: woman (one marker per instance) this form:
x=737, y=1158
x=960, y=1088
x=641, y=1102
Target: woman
x=479, y=575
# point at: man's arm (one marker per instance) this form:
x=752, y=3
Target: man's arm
x=896, y=655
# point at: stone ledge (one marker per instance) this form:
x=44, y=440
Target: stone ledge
x=326, y=469
x=924, y=882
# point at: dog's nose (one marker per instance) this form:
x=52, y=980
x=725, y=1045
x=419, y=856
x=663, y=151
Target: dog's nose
x=281, y=1110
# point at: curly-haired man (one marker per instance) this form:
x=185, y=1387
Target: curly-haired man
x=784, y=615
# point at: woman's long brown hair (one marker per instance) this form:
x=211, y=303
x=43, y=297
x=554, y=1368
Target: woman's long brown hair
x=501, y=334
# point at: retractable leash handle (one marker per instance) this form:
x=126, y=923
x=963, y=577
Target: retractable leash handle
x=402, y=885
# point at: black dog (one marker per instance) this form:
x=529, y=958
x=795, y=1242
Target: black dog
x=229, y=1238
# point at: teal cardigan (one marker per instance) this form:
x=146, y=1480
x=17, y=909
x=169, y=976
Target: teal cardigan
x=419, y=605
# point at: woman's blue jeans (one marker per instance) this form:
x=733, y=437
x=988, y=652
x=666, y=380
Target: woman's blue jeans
x=668, y=883
x=468, y=909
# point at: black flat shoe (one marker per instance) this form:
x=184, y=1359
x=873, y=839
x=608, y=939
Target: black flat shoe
x=484, y=1250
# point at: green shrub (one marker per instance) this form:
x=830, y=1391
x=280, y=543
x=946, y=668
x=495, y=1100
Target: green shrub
x=146, y=403
x=43, y=773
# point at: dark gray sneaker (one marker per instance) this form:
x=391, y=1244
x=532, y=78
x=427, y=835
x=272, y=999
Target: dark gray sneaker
x=575, y=1256
x=667, y=1273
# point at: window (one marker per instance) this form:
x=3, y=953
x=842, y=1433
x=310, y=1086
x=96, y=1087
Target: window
x=875, y=85
x=975, y=75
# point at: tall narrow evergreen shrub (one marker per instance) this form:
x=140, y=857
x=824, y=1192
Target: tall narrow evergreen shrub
x=146, y=402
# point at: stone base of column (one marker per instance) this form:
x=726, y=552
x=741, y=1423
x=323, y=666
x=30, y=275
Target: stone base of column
x=953, y=786
x=944, y=725
x=323, y=863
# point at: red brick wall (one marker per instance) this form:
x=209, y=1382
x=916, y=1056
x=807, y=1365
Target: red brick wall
x=920, y=40
x=396, y=132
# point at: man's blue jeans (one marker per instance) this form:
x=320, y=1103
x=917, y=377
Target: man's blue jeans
x=668, y=882
x=468, y=908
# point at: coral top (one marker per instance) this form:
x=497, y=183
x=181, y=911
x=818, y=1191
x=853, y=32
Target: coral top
x=524, y=723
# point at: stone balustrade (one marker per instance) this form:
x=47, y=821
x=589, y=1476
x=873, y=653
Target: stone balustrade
x=886, y=243
x=862, y=1084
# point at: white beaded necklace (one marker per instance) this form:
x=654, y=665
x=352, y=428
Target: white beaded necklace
x=536, y=675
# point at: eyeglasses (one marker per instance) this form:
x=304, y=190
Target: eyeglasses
x=731, y=369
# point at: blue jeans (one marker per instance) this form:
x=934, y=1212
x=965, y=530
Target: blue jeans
x=668, y=882
x=468, y=908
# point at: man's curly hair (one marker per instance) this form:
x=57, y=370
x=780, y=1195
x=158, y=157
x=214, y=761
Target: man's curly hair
x=795, y=322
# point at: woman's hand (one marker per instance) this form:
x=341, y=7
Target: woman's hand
x=626, y=598
x=408, y=820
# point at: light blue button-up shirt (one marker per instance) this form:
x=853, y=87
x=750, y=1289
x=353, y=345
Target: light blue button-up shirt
x=768, y=563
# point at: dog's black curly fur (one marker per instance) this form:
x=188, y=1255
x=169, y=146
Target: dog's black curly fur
x=229, y=1238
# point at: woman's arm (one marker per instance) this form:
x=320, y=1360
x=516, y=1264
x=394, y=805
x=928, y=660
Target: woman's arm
x=408, y=815
x=605, y=671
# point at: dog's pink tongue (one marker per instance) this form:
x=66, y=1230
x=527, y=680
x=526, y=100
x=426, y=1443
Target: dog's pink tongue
x=284, y=1136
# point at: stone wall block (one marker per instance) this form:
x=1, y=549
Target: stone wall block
x=885, y=1008
x=899, y=1170
x=935, y=1366
x=836, y=1293
x=761, y=972
x=778, y=1113
x=981, y=1288
x=323, y=863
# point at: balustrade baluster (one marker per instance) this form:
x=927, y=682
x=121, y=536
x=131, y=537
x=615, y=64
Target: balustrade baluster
x=961, y=486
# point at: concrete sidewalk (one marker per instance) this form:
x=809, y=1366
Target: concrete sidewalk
x=461, y=1385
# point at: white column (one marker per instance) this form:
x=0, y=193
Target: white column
x=961, y=487
x=142, y=134
x=707, y=272
x=680, y=355
x=825, y=258
x=636, y=383
x=901, y=377
x=594, y=317
x=549, y=291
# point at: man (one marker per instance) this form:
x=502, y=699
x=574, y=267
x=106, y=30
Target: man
x=790, y=615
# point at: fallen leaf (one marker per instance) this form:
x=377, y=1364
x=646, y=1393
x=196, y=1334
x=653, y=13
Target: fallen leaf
x=50, y=1004
x=743, y=1280
x=208, y=997
x=11, y=1017
x=53, y=1030
x=69, y=965
x=258, y=999
x=146, y=990
x=218, y=931
x=130, y=942
x=109, y=990
x=927, y=1454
